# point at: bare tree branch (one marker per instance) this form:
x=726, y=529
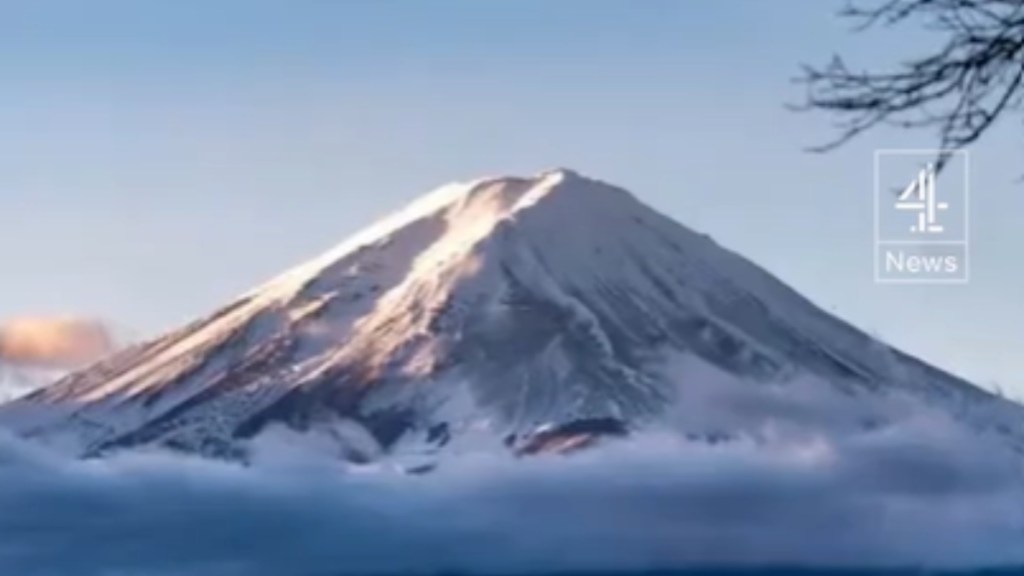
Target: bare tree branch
x=972, y=80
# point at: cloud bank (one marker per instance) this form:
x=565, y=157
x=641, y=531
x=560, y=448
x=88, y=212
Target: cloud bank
x=55, y=343
x=923, y=493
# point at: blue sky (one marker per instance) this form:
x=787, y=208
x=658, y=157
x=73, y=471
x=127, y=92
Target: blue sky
x=157, y=159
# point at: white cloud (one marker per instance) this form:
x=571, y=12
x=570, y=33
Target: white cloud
x=54, y=342
x=923, y=493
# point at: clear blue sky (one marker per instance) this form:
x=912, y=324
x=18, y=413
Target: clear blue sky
x=157, y=159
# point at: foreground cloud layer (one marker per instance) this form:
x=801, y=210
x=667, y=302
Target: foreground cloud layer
x=924, y=493
x=53, y=342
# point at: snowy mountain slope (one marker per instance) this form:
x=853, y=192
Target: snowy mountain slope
x=16, y=381
x=536, y=313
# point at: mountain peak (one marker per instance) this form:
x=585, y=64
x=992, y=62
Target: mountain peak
x=465, y=212
x=561, y=173
x=516, y=189
x=539, y=310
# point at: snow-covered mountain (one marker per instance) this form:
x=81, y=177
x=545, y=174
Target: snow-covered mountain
x=538, y=313
x=17, y=381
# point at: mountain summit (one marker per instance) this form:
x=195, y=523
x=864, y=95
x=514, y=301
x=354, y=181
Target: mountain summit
x=536, y=313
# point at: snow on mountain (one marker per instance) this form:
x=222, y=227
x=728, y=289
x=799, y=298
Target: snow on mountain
x=17, y=381
x=534, y=314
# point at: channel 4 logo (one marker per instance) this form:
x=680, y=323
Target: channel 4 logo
x=921, y=217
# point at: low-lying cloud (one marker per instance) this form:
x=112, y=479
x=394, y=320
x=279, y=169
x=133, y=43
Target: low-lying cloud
x=53, y=343
x=924, y=493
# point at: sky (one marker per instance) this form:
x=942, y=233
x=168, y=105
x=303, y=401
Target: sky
x=159, y=159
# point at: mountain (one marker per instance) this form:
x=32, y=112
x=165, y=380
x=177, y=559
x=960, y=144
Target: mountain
x=535, y=314
x=18, y=380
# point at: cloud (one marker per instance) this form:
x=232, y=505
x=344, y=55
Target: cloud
x=60, y=343
x=925, y=492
